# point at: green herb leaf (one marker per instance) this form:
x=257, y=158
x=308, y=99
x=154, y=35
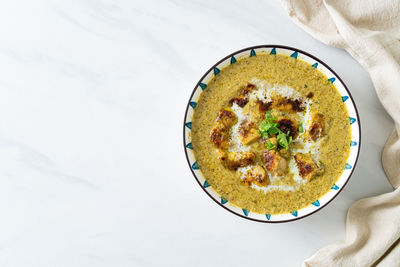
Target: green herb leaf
x=301, y=127
x=263, y=129
x=268, y=126
x=268, y=117
x=264, y=126
x=263, y=134
x=283, y=142
x=274, y=129
x=269, y=145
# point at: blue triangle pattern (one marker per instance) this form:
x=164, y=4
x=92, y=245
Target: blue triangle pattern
x=268, y=216
x=245, y=212
x=348, y=166
x=295, y=54
x=353, y=143
x=195, y=166
x=223, y=200
x=190, y=146
x=203, y=86
x=252, y=53
x=315, y=65
x=233, y=60
x=206, y=184
x=273, y=51
x=193, y=104
x=189, y=125
x=335, y=187
x=294, y=213
x=344, y=98
x=216, y=71
x=352, y=120
x=332, y=79
x=316, y=203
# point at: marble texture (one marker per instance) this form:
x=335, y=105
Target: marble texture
x=92, y=169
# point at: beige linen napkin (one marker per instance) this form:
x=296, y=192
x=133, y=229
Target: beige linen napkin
x=370, y=31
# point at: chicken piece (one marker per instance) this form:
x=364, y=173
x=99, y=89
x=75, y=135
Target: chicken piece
x=242, y=99
x=308, y=169
x=219, y=135
x=251, y=112
x=226, y=118
x=287, y=125
x=289, y=105
x=316, y=129
x=248, y=132
x=235, y=160
x=263, y=107
x=247, y=89
x=284, y=153
x=274, y=162
x=256, y=175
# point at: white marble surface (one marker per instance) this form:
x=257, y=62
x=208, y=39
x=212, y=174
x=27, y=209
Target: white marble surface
x=92, y=169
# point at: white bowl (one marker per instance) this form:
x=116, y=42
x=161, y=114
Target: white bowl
x=353, y=120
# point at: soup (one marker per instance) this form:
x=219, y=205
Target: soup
x=271, y=134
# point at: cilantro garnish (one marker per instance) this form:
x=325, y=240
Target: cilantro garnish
x=268, y=116
x=283, y=142
x=269, y=127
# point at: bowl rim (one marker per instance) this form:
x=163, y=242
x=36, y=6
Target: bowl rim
x=295, y=50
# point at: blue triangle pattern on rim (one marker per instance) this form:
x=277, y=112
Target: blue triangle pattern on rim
x=335, y=187
x=223, y=200
x=195, y=166
x=315, y=65
x=344, y=98
x=193, y=104
x=245, y=212
x=352, y=120
x=332, y=79
x=273, y=51
x=233, y=59
x=268, y=216
x=190, y=146
x=348, y=166
x=294, y=213
x=216, y=71
x=203, y=86
x=252, y=53
x=353, y=143
x=295, y=54
x=189, y=125
x=316, y=203
x=206, y=184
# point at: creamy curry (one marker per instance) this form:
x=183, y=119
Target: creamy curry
x=271, y=134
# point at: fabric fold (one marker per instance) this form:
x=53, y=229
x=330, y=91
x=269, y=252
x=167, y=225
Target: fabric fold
x=370, y=31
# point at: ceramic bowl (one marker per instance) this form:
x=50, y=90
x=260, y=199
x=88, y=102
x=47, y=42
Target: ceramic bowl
x=346, y=98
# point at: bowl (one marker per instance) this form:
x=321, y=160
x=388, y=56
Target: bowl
x=353, y=121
